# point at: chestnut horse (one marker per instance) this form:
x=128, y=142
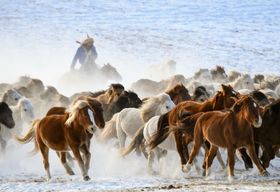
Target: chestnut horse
x=223, y=99
x=71, y=130
x=230, y=129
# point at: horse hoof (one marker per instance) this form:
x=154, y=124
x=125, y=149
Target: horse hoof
x=71, y=173
x=265, y=174
x=186, y=168
x=86, y=178
x=230, y=178
x=204, y=173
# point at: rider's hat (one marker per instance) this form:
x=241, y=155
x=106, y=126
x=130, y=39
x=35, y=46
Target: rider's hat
x=88, y=41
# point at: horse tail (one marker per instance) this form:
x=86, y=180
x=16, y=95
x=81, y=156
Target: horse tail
x=162, y=131
x=135, y=143
x=30, y=135
x=109, y=131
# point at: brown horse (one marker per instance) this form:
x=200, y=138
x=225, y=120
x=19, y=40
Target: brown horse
x=105, y=96
x=178, y=93
x=268, y=135
x=229, y=129
x=223, y=99
x=69, y=131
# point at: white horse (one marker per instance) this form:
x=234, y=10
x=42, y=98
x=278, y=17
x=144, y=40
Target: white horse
x=130, y=120
x=11, y=97
x=23, y=112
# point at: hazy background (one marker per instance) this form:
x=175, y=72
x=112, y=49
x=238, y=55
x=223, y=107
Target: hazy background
x=38, y=36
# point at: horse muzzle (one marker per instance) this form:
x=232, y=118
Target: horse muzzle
x=91, y=129
x=258, y=124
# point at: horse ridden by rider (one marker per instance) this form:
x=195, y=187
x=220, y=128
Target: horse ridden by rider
x=86, y=54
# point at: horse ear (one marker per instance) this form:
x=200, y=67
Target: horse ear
x=88, y=36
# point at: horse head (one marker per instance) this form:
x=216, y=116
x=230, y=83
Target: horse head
x=230, y=95
x=166, y=104
x=111, y=72
x=26, y=110
x=11, y=97
x=133, y=99
x=200, y=94
x=6, y=115
x=249, y=110
x=87, y=113
x=114, y=91
x=179, y=93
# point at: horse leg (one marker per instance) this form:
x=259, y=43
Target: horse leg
x=45, y=153
x=247, y=160
x=87, y=156
x=180, y=148
x=3, y=144
x=220, y=159
x=209, y=159
x=195, y=149
x=151, y=157
x=62, y=157
x=78, y=157
x=231, y=154
x=121, y=137
x=252, y=153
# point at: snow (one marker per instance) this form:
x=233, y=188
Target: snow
x=38, y=39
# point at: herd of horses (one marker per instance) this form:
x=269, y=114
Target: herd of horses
x=212, y=110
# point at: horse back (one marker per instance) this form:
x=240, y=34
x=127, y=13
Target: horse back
x=215, y=126
x=52, y=132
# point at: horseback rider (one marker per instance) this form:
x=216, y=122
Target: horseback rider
x=86, y=54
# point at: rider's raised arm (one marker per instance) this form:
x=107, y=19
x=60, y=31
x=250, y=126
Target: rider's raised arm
x=76, y=57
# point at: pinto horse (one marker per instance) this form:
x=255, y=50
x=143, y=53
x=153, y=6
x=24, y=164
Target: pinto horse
x=230, y=129
x=223, y=99
x=71, y=130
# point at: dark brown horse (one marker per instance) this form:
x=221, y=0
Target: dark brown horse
x=268, y=135
x=105, y=96
x=6, y=118
x=71, y=130
x=230, y=129
x=223, y=99
x=178, y=93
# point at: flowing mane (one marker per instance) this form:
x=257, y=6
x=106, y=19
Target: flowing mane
x=74, y=110
x=150, y=107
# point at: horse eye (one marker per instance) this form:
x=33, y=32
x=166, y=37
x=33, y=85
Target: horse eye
x=25, y=110
x=167, y=107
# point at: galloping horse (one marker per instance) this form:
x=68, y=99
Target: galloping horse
x=223, y=99
x=130, y=120
x=71, y=130
x=230, y=129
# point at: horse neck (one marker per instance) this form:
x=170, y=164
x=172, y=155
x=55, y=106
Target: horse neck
x=207, y=106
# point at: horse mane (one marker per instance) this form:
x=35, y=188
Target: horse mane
x=73, y=111
x=96, y=94
x=149, y=107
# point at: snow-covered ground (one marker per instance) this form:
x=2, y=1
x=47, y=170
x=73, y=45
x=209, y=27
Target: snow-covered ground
x=109, y=171
x=38, y=39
